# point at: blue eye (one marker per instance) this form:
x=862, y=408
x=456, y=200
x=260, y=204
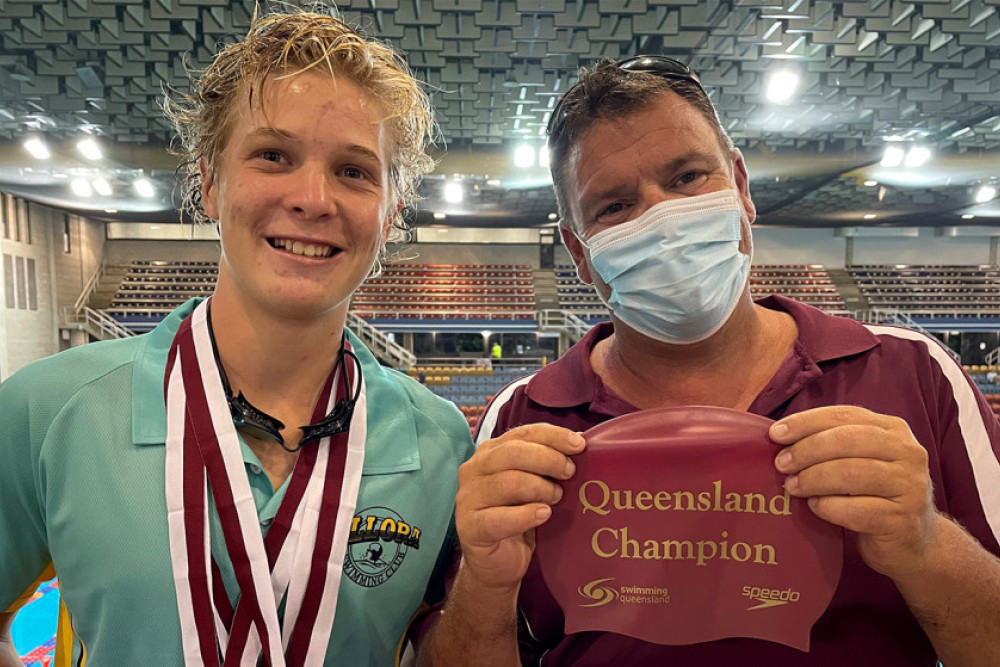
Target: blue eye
x=270, y=156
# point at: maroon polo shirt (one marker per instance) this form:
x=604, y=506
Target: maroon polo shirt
x=835, y=361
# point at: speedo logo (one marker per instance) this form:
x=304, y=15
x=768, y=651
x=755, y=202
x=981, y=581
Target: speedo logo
x=769, y=597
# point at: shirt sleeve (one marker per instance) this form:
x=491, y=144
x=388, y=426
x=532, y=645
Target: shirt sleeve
x=969, y=453
x=24, y=554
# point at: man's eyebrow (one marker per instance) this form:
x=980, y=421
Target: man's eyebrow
x=268, y=131
x=707, y=158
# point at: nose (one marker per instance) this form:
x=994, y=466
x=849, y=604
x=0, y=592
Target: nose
x=311, y=194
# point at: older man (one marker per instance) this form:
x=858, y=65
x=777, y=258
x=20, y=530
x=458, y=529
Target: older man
x=879, y=429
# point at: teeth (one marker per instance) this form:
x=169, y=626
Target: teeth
x=305, y=249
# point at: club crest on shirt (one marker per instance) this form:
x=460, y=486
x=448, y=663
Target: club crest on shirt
x=379, y=541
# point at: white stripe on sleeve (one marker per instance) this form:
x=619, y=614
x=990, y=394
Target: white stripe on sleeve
x=493, y=411
x=985, y=467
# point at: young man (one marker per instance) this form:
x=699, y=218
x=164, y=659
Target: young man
x=246, y=483
x=881, y=431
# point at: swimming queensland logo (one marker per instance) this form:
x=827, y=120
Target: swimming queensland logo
x=769, y=597
x=599, y=595
x=377, y=545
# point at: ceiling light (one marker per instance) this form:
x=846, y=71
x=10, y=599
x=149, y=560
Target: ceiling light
x=968, y=216
x=37, y=148
x=543, y=157
x=782, y=86
x=985, y=193
x=80, y=187
x=440, y=216
x=453, y=193
x=869, y=216
x=524, y=156
x=553, y=216
x=143, y=187
x=917, y=157
x=871, y=184
x=893, y=156
x=89, y=149
x=101, y=187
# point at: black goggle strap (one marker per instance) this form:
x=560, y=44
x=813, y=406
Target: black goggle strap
x=339, y=418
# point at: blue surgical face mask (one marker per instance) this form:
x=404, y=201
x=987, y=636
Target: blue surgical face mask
x=676, y=272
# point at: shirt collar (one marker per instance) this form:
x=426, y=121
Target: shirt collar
x=391, y=425
x=821, y=338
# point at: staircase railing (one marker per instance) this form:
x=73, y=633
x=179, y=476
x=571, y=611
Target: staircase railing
x=993, y=357
x=95, y=322
x=89, y=288
x=897, y=318
x=381, y=346
x=553, y=319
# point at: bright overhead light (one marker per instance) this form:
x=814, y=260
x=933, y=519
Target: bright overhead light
x=869, y=216
x=143, y=187
x=985, y=194
x=871, y=184
x=453, y=192
x=917, y=157
x=524, y=156
x=37, y=148
x=81, y=188
x=440, y=216
x=553, y=216
x=781, y=86
x=543, y=157
x=968, y=216
x=89, y=149
x=893, y=156
x=101, y=187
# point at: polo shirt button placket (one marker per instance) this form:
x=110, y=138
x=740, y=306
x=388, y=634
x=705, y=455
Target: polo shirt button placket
x=266, y=522
x=255, y=469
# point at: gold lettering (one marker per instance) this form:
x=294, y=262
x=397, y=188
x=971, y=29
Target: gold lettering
x=594, y=543
x=717, y=485
x=680, y=497
x=629, y=546
x=585, y=498
x=678, y=550
x=651, y=550
x=758, y=499
x=619, y=503
x=734, y=503
x=759, y=549
x=745, y=549
x=662, y=501
x=704, y=501
x=702, y=556
x=642, y=500
x=780, y=505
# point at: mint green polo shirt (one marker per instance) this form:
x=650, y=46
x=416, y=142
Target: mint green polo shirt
x=82, y=487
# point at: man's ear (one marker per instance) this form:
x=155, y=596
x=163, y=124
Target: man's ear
x=209, y=195
x=743, y=184
x=576, y=251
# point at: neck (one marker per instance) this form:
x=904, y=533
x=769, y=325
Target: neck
x=726, y=370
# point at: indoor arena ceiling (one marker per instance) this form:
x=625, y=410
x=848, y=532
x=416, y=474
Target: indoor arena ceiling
x=873, y=73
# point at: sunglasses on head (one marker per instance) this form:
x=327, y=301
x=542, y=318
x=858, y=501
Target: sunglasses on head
x=662, y=66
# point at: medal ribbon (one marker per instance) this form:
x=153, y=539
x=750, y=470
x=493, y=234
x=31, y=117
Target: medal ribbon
x=301, y=560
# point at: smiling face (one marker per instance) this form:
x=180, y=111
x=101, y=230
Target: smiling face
x=302, y=197
x=623, y=166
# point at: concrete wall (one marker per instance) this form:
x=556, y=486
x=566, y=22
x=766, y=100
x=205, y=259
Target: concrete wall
x=123, y=252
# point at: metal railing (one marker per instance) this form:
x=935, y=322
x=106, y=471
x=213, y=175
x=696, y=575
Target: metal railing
x=89, y=288
x=993, y=357
x=381, y=346
x=96, y=323
x=553, y=319
x=896, y=318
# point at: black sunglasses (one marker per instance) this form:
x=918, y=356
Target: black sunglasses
x=662, y=66
x=256, y=423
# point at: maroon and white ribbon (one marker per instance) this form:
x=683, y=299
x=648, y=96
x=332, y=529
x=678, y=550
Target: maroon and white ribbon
x=302, y=558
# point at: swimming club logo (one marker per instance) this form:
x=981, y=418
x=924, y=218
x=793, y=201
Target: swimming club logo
x=379, y=541
x=769, y=597
x=598, y=595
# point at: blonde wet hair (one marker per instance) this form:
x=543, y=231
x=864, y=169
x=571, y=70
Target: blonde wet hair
x=285, y=45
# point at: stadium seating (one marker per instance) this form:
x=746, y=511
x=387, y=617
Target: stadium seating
x=932, y=291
